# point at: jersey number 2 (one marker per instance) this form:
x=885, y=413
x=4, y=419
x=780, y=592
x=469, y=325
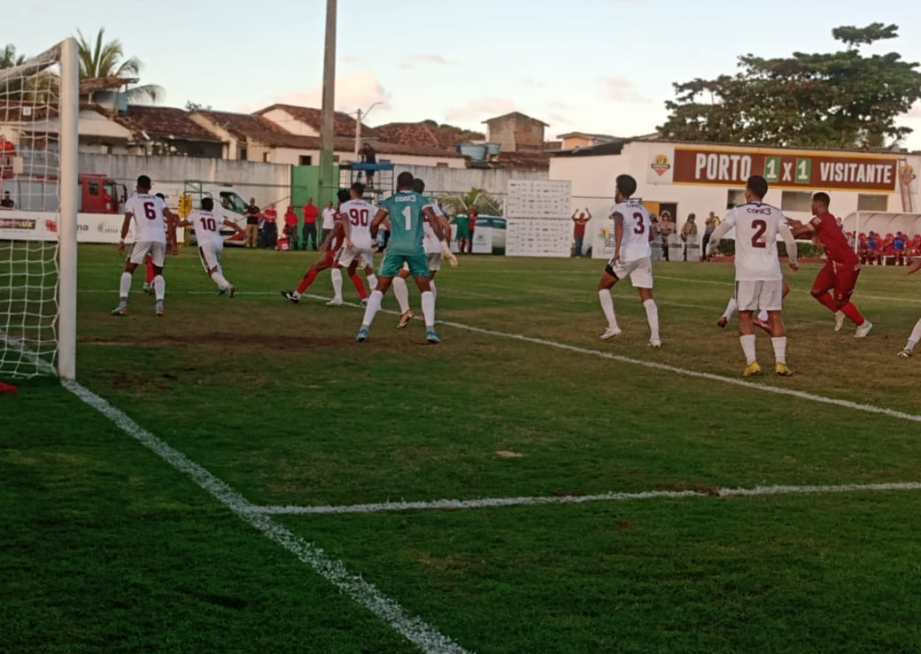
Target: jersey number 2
x=760, y=228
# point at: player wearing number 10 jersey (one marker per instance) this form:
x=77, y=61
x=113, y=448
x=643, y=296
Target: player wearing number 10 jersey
x=210, y=242
x=759, y=281
x=632, y=256
x=150, y=214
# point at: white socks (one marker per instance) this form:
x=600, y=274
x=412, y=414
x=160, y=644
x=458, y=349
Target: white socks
x=428, y=309
x=607, y=305
x=730, y=308
x=374, y=305
x=159, y=288
x=915, y=336
x=401, y=293
x=372, y=281
x=336, y=275
x=780, y=348
x=432, y=285
x=124, y=287
x=748, y=348
x=219, y=279
x=652, y=315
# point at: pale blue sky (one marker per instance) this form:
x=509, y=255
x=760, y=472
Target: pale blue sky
x=603, y=66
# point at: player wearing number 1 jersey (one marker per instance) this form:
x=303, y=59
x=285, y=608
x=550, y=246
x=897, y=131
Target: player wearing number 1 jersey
x=759, y=281
x=407, y=211
x=632, y=257
x=210, y=242
x=150, y=214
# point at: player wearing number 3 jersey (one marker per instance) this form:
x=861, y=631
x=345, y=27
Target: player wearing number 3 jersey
x=150, y=216
x=632, y=256
x=207, y=227
x=759, y=281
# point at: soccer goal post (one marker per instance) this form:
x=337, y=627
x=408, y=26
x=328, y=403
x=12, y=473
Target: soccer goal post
x=39, y=118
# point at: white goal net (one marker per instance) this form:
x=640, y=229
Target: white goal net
x=38, y=189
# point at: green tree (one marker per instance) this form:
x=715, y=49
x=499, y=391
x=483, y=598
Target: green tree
x=107, y=59
x=840, y=99
x=9, y=58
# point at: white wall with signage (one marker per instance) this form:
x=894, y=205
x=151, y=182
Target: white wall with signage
x=42, y=226
x=538, y=214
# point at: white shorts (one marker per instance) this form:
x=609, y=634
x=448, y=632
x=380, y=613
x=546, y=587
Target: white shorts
x=140, y=249
x=434, y=260
x=767, y=295
x=210, y=255
x=639, y=271
x=364, y=256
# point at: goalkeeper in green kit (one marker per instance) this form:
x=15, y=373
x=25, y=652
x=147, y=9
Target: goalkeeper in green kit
x=407, y=211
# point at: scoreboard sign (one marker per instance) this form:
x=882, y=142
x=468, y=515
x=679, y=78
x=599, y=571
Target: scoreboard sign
x=786, y=169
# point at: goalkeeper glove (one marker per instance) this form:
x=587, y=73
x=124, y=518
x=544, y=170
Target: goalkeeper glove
x=447, y=254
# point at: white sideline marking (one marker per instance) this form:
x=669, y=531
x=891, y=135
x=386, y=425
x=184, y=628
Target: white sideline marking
x=802, y=395
x=440, y=505
x=414, y=629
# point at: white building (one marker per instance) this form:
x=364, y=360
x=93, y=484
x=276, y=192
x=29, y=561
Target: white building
x=699, y=178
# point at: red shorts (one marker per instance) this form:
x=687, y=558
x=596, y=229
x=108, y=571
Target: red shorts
x=839, y=279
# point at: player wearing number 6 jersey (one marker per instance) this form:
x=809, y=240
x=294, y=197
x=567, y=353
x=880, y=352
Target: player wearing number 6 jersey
x=210, y=243
x=150, y=214
x=407, y=210
x=759, y=281
x=632, y=257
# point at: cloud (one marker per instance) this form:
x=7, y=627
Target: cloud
x=559, y=119
x=356, y=90
x=350, y=59
x=480, y=109
x=531, y=82
x=424, y=58
x=621, y=90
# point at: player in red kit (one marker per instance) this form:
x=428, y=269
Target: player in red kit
x=330, y=248
x=835, y=283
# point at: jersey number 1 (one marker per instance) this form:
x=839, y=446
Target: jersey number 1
x=408, y=215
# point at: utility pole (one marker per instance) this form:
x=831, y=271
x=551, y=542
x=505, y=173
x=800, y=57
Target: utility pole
x=328, y=185
x=358, y=134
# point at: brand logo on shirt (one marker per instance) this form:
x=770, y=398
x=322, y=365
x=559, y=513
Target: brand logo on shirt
x=761, y=211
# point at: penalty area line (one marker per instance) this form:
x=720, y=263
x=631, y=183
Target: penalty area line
x=414, y=629
x=486, y=503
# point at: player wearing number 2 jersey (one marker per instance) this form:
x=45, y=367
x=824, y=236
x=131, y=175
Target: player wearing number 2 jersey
x=759, y=281
x=632, y=256
x=150, y=214
x=407, y=211
x=210, y=242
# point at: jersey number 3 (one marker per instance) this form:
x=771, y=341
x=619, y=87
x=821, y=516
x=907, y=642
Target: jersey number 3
x=640, y=223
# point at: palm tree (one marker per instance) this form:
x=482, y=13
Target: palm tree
x=107, y=60
x=8, y=57
x=475, y=197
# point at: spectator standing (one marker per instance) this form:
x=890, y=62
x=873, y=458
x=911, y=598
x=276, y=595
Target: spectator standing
x=689, y=231
x=270, y=226
x=251, y=239
x=710, y=224
x=309, y=232
x=578, y=229
x=898, y=248
x=666, y=229
x=291, y=221
x=7, y=201
x=329, y=221
x=472, y=215
x=462, y=236
x=368, y=155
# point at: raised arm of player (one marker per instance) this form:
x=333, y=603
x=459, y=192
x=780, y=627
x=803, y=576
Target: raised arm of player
x=618, y=219
x=717, y=234
x=233, y=225
x=790, y=242
x=799, y=229
x=440, y=233
x=379, y=217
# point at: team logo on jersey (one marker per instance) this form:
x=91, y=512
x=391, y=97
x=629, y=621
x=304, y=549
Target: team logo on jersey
x=660, y=164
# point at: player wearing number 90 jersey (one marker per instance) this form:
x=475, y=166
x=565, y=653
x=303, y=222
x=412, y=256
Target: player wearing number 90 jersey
x=632, y=257
x=356, y=216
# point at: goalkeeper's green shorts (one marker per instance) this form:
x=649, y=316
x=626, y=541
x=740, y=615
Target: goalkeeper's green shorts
x=418, y=264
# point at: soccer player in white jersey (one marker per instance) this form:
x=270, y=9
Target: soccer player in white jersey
x=432, y=247
x=150, y=216
x=207, y=226
x=356, y=216
x=632, y=256
x=909, y=350
x=759, y=280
